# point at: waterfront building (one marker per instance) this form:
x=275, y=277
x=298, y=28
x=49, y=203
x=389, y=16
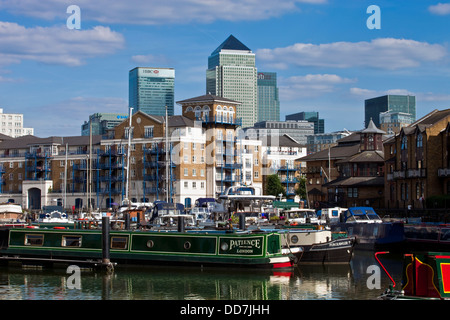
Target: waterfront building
x=232, y=74
x=350, y=173
x=322, y=141
x=417, y=163
x=311, y=116
x=268, y=97
x=280, y=156
x=151, y=90
x=185, y=157
x=12, y=125
x=100, y=123
x=297, y=130
x=395, y=103
x=391, y=122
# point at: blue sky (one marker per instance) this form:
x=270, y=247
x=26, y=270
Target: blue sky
x=326, y=58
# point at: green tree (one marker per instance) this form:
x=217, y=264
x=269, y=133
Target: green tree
x=301, y=189
x=274, y=186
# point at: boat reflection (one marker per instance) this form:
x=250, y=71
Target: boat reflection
x=309, y=282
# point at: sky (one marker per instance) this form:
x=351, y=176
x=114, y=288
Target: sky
x=327, y=54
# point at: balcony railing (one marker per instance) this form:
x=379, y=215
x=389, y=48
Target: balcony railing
x=220, y=120
x=444, y=172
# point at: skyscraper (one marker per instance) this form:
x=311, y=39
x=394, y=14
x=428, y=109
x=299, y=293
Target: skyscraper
x=232, y=74
x=395, y=103
x=268, y=99
x=151, y=90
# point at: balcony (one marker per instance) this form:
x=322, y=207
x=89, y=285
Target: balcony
x=220, y=120
x=399, y=174
x=443, y=172
x=416, y=173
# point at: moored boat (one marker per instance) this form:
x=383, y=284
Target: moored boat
x=425, y=276
x=371, y=232
x=81, y=246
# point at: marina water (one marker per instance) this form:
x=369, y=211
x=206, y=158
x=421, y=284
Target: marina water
x=353, y=281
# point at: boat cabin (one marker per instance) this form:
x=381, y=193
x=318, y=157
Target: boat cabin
x=300, y=216
x=360, y=215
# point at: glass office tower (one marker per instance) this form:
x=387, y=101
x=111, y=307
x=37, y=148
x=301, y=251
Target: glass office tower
x=151, y=90
x=232, y=74
x=268, y=99
x=395, y=103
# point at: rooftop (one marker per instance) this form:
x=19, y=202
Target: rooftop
x=231, y=43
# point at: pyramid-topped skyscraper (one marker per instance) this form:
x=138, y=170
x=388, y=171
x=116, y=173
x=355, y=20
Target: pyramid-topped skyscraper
x=232, y=74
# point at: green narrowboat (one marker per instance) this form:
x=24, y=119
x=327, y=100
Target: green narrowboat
x=84, y=246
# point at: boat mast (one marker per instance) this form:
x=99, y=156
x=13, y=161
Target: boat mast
x=167, y=157
x=128, y=159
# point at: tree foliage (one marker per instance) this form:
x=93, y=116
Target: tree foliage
x=274, y=186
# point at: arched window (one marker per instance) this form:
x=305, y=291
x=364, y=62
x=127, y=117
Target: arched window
x=188, y=109
x=419, y=140
x=206, y=110
x=404, y=143
x=198, y=112
x=219, y=114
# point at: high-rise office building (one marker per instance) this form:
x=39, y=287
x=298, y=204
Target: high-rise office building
x=151, y=90
x=312, y=116
x=100, y=123
x=232, y=74
x=268, y=98
x=395, y=103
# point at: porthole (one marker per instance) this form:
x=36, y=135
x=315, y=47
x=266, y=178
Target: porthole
x=150, y=244
x=224, y=246
x=294, y=239
x=187, y=245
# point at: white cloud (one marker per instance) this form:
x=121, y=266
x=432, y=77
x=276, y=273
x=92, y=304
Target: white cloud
x=157, y=12
x=382, y=53
x=311, y=85
x=440, y=9
x=55, y=45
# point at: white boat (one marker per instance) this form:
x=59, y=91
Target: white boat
x=249, y=201
x=10, y=212
x=300, y=216
x=54, y=217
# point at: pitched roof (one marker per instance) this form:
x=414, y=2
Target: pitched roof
x=282, y=141
x=208, y=98
x=231, y=43
x=26, y=141
x=357, y=182
x=372, y=128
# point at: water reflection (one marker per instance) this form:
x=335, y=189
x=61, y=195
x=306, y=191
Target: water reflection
x=157, y=283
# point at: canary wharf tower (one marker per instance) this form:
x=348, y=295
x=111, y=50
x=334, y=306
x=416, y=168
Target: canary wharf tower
x=232, y=74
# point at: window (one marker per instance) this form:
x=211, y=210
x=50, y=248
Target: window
x=71, y=241
x=202, y=185
x=34, y=239
x=194, y=185
x=194, y=172
x=148, y=131
x=119, y=243
x=404, y=143
x=186, y=185
x=419, y=140
x=185, y=172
